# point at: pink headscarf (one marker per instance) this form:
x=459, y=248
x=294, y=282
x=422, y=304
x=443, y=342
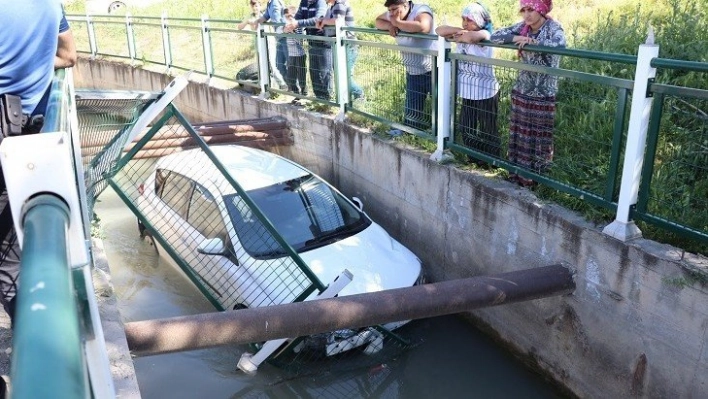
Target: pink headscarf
x=542, y=7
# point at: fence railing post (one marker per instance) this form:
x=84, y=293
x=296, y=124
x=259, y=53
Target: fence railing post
x=444, y=98
x=623, y=228
x=131, y=38
x=342, y=69
x=166, y=46
x=206, y=44
x=262, y=49
x=91, y=36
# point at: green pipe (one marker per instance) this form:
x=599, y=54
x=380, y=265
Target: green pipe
x=47, y=359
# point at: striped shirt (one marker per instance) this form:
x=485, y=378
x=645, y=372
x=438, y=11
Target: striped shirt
x=475, y=81
x=295, y=46
x=340, y=7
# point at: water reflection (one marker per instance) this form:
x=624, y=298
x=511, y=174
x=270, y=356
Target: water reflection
x=451, y=359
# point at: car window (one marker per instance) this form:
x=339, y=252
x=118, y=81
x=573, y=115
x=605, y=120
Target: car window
x=176, y=192
x=204, y=214
x=160, y=177
x=305, y=211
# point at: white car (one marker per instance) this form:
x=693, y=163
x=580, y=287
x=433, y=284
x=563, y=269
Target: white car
x=200, y=215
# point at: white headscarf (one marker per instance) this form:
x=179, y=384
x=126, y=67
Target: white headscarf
x=475, y=12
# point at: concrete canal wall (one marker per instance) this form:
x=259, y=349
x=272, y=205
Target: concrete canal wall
x=637, y=325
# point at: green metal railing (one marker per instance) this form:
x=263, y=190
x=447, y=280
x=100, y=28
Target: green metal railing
x=49, y=329
x=674, y=191
x=47, y=339
x=591, y=118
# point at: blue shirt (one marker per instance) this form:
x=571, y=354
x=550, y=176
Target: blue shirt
x=30, y=29
x=274, y=14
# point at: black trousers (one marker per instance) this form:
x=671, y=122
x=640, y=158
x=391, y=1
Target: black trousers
x=478, y=125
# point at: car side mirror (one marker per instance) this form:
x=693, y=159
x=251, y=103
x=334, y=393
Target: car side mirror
x=212, y=246
x=358, y=203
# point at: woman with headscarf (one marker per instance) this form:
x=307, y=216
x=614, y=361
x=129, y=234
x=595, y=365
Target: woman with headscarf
x=533, y=97
x=476, y=83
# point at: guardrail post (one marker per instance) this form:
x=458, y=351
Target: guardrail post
x=166, y=46
x=206, y=44
x=622, y=228
x=342, y=70
x=444, y=98
x=262, y=48
x=91, y=36
x=131, y=37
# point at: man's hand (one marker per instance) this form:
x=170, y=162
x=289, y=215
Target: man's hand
x=290, y=25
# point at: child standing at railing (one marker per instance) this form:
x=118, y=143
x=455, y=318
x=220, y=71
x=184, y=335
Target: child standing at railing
x=476, y=83
x=297, y=59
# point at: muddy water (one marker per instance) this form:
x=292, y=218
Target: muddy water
x=453, y=360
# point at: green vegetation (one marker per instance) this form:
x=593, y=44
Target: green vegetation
x=586, y=111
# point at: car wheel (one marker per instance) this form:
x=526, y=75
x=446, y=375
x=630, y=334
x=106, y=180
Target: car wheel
x=116, y=6
x=146, y=236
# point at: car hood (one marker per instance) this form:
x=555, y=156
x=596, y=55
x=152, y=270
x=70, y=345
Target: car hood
x=377, y=261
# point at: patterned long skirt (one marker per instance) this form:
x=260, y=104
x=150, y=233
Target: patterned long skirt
x=531, y=131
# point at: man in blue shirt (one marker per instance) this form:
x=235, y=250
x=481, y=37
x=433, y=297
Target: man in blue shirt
x=28, y=49
x=275, y=13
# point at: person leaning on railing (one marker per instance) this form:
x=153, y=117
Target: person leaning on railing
x=476, y=82
x=309, y=13
x=533, y=97
x=274, y=13
x=408, y=17
x=297, y=60
x=336, y=9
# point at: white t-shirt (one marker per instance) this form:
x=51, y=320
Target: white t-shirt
x=417, y=64
x=475, y=81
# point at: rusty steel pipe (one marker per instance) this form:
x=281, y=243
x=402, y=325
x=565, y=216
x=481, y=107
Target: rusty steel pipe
x=291, y=320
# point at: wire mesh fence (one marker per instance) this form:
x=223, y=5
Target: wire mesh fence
x=149, y=42
x=303, y=66
x=105, y=118
x=232, y=49
x=191, y=205
x=675, y=184
x=571, y=137
x=186, y=35
x=393, y=94
x=111, y=36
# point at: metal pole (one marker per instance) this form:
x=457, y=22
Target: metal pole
x=306, y=318
x=206, y=47
x=46, y=357
x=91, y=36
x=444, y=98
x=341, y=68
x=622, y=228
x=166, y=45
x=130, y=34
x=263, y=57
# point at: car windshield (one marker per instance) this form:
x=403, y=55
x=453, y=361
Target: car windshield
x=305, y=211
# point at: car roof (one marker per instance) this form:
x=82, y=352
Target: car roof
x=250, y=167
